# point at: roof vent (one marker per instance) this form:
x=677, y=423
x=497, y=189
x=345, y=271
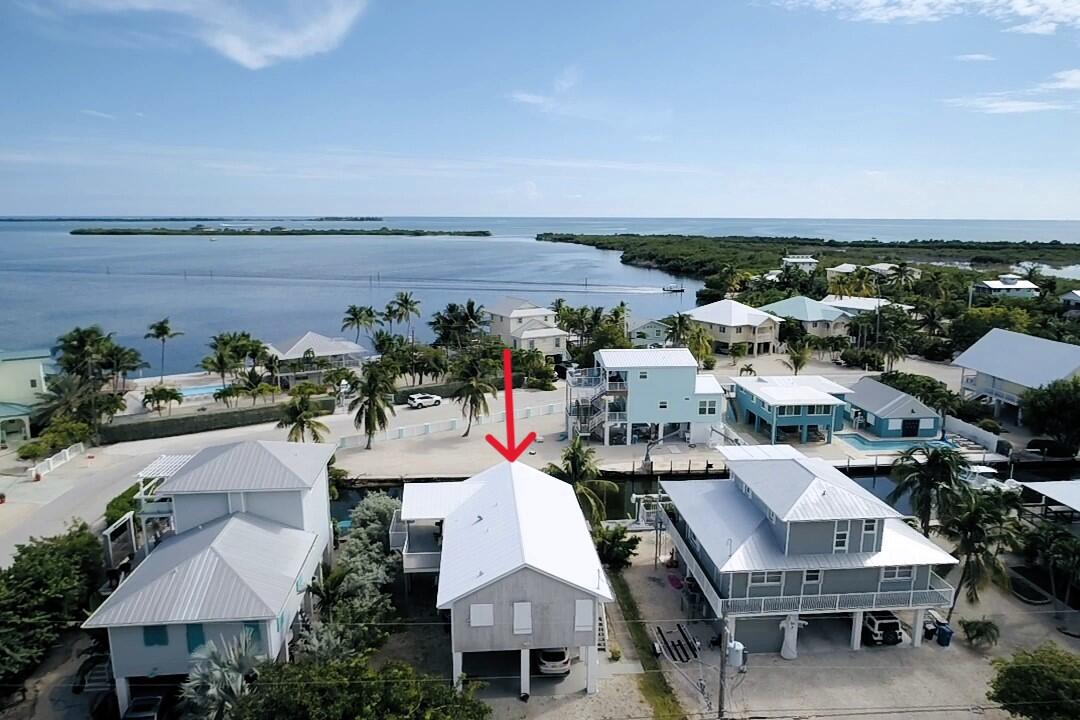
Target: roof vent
x=479, y=518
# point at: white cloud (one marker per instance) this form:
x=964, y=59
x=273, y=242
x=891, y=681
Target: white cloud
x=974, y=57
x=1064, y=80
x=253, y=33
x=98, y=114
x=999, y=105
x=1041, y=17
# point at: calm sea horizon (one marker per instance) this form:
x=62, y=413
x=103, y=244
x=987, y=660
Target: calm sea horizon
x=280, y=287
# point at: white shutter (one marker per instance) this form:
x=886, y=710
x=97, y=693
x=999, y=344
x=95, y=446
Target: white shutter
x=895, y=423
x=926, y=423
x=583, y=615
x=481, y=615
x=522, y=618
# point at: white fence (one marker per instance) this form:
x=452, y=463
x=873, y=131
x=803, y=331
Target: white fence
x=976, y=434
x=408, y=431
x=50, y=464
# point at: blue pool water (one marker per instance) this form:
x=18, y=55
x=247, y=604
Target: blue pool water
x=860, y=443
x=198, y=390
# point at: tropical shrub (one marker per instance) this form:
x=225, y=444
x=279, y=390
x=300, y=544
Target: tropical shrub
x=615, y=546
x=1039, y=684
x=989, y=425
x=866, y=359
x=709, y=363
x=121, y=504
x=983, y=632
x=1054, y=410
x=33, y=450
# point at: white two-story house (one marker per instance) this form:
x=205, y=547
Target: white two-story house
x=729, y=323
x=643, y=394
x=524, y=325
x=247, y=528
x=515, y=565
x=788, y=537
x=1007, y=285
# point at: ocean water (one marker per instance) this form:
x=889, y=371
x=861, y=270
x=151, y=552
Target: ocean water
x=280, y=287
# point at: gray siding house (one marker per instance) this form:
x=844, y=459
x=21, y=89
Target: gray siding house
x=889, y=413
x=516, y=565
x=247, y=527
x=787, y=534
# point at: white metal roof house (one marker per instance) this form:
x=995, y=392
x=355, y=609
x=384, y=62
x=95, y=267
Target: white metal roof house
x=1071, y=299
x=248, y=525
x=730, y=322
x=522, y=324
x=642, y=394
x=857, y=305
x=806, y=263
x=311, y=354
x=817, y=318
x=798, y=408
x=791, y=535
x=510, y=578
x=645, y=333
x=1002, y=365
x=1007, y=285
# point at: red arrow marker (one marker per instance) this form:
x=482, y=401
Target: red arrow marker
x=510, y=451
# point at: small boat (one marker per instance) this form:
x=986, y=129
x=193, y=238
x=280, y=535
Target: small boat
x=673, y=288
x=984, y=477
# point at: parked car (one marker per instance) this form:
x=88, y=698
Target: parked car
x=422, y=400
x=144, y=708
x=553, y=661
x=881, y=627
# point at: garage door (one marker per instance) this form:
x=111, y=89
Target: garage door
x=760, y=635
x=910, y=427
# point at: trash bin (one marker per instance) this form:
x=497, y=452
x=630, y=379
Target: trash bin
x=944, y=634
x=929, y=629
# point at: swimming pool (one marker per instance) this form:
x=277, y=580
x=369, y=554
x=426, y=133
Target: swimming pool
x=198, y=390
x=860, y=443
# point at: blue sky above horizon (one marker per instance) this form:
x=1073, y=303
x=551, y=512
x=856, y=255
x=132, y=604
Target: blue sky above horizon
x=740, y=108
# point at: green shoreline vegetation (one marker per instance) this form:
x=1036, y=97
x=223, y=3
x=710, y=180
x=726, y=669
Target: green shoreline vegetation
x=276, y=230
x=698, y=256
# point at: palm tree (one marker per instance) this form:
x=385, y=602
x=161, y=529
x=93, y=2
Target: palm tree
x=679, y=326
x=272, y=365
x=162, y=331
x=253, y=384
x=300, y=419
x=892, y=347
x=1047, y=543
x=65, y=395
x=737, y=351
x=389, y=315
x=408, y=307
x=863, y=282
x=930, y=477
x=434, y=362
x=747, y=369
x=579, y=468
x=359, y=317
x=903, y=276
x=227, y=393
x=840, y=286
x=220, y=362
x=371, y=403
x=161, y=395
x=699, y=343
x=220, y=677
x=336, y=587
x=120, y=361
x=80, y=350
x=798, y=357
x=931, y=318
x=978, y=524
x=473, y=373
x=620, y=315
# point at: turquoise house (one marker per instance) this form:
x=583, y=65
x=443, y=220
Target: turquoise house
x=789, y=408
x=889, y=413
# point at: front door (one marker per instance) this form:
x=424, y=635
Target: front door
x=909, y=428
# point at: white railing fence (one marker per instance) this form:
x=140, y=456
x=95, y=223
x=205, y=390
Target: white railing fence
x=46, y=466
x=408, y=431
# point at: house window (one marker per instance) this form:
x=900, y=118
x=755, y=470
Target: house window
x=840, y=541
x=522, y=618
x=33, y=383
x=789, y=410
x=663, y=404
x=481, y=615
x=155, y=635
x=869, y=526
x=196, y=638
x=810, y=577
x=532, y=344
x=901, y=572
x=706, y=407
x=279, y=621
x=766, y=578
x=819, y=409
x=583, y=615
x=738, y=331
x=558, y=342
x=519, y=320
x=643, y=375
x=814, y=324
x=255, y=628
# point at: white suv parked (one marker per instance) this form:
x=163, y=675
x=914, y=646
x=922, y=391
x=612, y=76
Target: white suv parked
x=422, y=400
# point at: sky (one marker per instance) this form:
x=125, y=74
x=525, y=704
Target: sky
x=700, y=108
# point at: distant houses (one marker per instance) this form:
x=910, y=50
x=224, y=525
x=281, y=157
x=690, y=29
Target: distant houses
x=648, y=333
x=806, y=263
x=817, y=318
x=882, y=270
x=311, y=354
x=1007, y=285
x=524, y=325
x=853, y=305
x=729, y=323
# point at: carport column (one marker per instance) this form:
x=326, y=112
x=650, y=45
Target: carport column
x=856, y=630
x=607, y=434
x=457, y=670
x=525, y=671
x=591, y=669
x=123, y=697
x=629, y=431
x=916, y=628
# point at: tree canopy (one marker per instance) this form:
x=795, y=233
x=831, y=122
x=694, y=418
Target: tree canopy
x=1040, y=684
x=1054, y=410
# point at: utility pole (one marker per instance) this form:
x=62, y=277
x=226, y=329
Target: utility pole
x=723, y=664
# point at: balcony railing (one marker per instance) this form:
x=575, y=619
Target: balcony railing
x=971, y=383
x=616, y=417
x=616, y=386
x=399, y=533
x=420, y=561
x=940, y=593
